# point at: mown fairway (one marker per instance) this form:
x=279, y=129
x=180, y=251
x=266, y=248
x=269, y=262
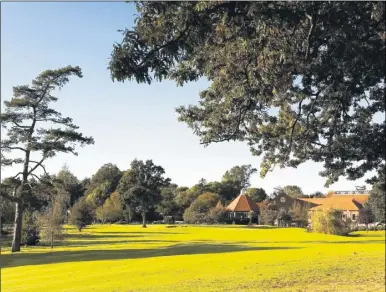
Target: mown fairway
x=231, y=258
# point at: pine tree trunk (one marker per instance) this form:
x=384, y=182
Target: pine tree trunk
x=17, y=227
x=144, y=219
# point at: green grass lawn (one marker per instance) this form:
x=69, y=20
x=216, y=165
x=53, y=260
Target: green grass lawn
x=228, y=258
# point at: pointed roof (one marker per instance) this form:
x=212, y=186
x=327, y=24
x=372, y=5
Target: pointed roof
x=243, y=203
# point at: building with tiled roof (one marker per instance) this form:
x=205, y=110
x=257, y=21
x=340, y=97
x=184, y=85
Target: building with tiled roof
x=240, y=207
x=348, y=204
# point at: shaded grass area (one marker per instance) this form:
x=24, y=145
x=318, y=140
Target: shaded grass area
x=54, y=257
x=205, y=258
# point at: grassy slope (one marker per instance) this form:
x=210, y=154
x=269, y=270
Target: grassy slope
x=129, y=258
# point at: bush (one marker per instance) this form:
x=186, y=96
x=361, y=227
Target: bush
x=283, y=218
x=198, y=212
x=328, y=222
x=218, y=215
x=269, y=214
x=81, y=214
x=366, y=216
x=50, y=222
x=299, y=214
x=30, y=230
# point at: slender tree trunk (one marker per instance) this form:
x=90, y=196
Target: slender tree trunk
x=52, y=239
x=16, y=241
x=144, y=219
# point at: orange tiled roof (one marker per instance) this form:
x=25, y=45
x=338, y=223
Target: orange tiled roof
x=317, y=201
x=242, y=203
x=346, y=202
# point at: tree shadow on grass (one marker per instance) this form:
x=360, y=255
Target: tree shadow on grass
x=22, y=259
x=315, y=242
x=82, y=236
x=83, y=243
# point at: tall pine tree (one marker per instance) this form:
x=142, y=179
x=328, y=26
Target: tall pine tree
x=35, y=132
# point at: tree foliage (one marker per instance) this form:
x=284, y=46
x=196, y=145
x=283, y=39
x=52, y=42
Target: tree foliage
x=30, y=228
x=366, y=216
x=198, y=212
x=67, y=181
x=50, y=222
x=257, y=194
x=296, y=80
x=269, y=214
x=140, y=187
x=109, y=175
x=377, y=198
x=168, y=206
x=328, y=222
x=299, y=214
x=99, y=194
x=293, y=191
x=33, y=128
x=111, y=211
x=81, y=214
x=238, y=177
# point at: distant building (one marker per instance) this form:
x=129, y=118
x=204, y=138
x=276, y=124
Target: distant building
x=348, y=202
x=284, y=201
x=240, y=207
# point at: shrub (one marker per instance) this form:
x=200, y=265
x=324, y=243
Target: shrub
x=269, y=214
x=198, y=212
x=218, y=215
x=30, y=230
x=81, y=214
x=328, y=222
x=366, y=216
x=299, y=214
x=283, y=218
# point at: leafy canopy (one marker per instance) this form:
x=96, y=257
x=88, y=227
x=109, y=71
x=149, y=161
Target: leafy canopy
x=296, y=80
x=140, y=187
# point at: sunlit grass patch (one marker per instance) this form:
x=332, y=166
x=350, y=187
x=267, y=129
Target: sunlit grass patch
x=199, y=258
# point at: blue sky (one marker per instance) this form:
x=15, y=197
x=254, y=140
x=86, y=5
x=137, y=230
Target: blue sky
x=127, y=120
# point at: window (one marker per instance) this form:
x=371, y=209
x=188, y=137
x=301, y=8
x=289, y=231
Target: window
x=343, y=216
x=353, y=217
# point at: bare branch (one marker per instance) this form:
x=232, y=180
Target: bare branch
x=37, y=165
x=17, y=175
x=41, y=165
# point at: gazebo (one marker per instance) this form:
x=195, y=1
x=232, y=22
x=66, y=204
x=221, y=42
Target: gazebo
x=240, y=207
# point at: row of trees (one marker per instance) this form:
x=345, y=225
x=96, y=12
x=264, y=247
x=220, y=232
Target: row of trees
x=143, y=192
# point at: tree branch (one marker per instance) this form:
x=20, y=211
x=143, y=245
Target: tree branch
x=20, y=126
x=13, y=148
x=17, y=175
x=37, y=165
x=293, y=128
x=313, y=22
x=10, y=198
